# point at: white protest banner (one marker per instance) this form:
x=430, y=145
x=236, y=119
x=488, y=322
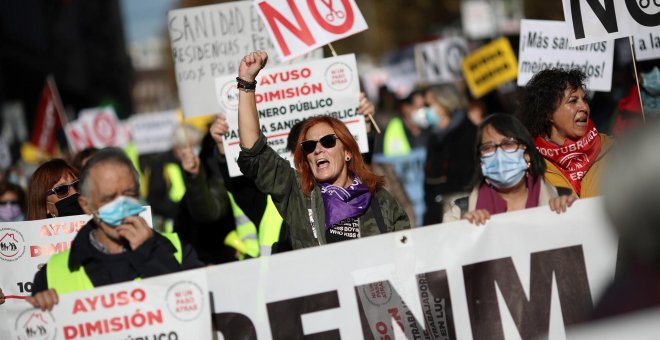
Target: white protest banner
x=439, y=61
x=174, y=306
x=288, y=94
x=313, y=23
x=26, y=246
x=647, y=46
x=152, y=132
x=545, y=44
x=593, y=21
x=208, y=42
x=522, y=275
x=97, y=127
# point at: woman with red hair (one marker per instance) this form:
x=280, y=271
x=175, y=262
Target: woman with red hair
x=333, y=196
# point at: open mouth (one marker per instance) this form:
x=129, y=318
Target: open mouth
x=582, y=120
x=322, y=163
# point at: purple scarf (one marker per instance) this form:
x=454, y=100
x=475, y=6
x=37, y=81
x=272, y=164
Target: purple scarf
x=490, y=200
x=342, y=203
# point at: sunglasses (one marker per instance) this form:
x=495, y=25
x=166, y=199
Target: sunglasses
x=62, y=190
x=327, y=141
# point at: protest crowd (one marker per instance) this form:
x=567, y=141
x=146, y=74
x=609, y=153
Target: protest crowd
x=286, y=152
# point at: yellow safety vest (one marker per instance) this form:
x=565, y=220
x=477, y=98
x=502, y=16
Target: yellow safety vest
x=65, y=281
x=177, y=184
x=395, y=141
x=244, y=238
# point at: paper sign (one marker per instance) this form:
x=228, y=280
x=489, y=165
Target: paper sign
x=288, y=94
x=97, y=127
x=439, y=61
x=208, y=42
x=594, y=21
x=490, y=66
x=26, y=246
x=545, y=44
x=298, y=27
x=647, y=45
x=152, y=132
x=174, y=306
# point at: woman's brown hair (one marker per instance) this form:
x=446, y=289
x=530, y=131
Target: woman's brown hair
x=43, y=180
x=356, y=166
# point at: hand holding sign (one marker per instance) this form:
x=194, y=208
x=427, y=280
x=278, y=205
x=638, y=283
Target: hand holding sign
x=219, y=128
x=251, y=64
x=44, y=300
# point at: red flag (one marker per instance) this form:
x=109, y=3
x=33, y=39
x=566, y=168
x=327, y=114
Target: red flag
x=50, y=117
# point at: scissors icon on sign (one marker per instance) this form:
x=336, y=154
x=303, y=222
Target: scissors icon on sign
x=333, y=13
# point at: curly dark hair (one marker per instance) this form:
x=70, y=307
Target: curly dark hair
x=540, y=98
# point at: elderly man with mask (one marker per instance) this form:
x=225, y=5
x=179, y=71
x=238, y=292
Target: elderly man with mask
x=116, y=245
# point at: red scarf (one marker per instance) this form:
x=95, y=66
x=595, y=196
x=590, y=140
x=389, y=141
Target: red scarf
x=573, y=159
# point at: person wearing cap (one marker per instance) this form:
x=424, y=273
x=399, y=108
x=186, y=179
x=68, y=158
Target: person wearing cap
x=116, y=245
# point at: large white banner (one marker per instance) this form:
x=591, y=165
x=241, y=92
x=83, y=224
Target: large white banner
x=209, y=42
x=440, y=61
x=521, y=275
x=545, y=44
x=26, y=246
x=152, y=132
x=288, y=94
x=592, y=21
x=298, y=27
x=647, y=45
x=168, y=307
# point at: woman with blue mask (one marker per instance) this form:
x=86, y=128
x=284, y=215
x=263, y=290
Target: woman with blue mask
x=509, y=176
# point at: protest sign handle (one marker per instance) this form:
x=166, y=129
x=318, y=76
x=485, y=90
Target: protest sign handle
x=185, y=130
x=15, y=297
x=639, y=91
x=371, y=117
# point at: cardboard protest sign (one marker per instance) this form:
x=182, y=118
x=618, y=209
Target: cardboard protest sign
x=97, y=127
x=522, y=275
x=288, y=94
x=647, y=46
x=26, y=246
x=593, y=21
x=208, y=42
x=174, y=306
x=152, y=132
x=545, y=44
x=489, y=67
x=298, y=27
x=440, y=61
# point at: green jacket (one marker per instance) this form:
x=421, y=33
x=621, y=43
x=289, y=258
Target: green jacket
x=306, y=215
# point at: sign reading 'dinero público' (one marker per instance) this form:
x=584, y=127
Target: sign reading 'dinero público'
x=288, y=94
x=208, y=42
x=174, y=306
x=545, y=44
x=26, y=246
x=594, y=21
x=489, y=67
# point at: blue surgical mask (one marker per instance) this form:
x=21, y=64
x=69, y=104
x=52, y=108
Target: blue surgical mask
x=504, y=169
x=652, y=81
x=426, y=117
x=114, y=212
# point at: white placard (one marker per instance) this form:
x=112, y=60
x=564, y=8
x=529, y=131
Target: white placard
x=439, y=61
x=593, y=21
x=208, y=42
x=545, y=44
x=152, y=132
x=174, y=306
x=288, y=94
x=26, y=246
x=471, y=278
x=97, y=127
x=298, y=27
x=647, y=45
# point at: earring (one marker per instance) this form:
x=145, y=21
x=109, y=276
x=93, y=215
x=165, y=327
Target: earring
x=348, y=159
x=529, y=165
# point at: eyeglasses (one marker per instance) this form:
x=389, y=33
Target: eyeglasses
x=62, y=190
x=510, y=145
x=327, y=141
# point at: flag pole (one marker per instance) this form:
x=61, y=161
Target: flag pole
x=50, y=80
x=639, y=91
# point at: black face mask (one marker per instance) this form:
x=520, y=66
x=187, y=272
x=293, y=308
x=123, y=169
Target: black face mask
x=69, y=206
